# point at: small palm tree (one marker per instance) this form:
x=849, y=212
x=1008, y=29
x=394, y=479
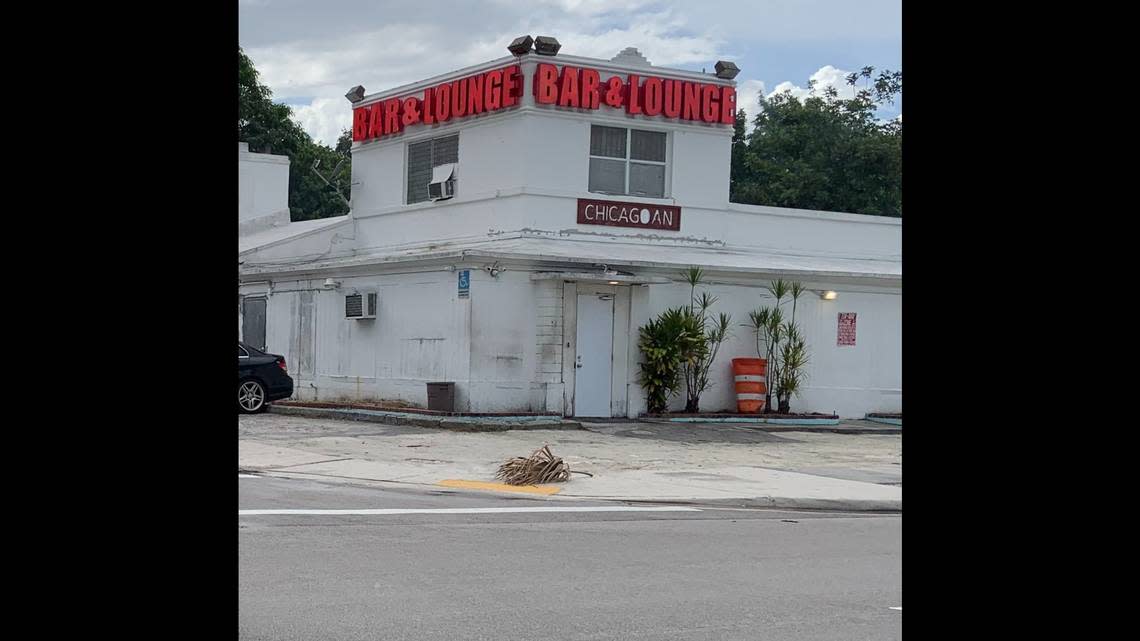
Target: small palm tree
x=768, y=325
x=697, y=372
x=794, y=360
x=669, y=342
x=796, y=290
x=784, y=347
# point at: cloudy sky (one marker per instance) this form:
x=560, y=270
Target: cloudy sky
x=310, y=52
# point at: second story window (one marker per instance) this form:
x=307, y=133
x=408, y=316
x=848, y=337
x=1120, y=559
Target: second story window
x=424, y=158
x=627, y=162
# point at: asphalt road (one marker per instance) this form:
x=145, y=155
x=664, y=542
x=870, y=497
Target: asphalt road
x=714, y=574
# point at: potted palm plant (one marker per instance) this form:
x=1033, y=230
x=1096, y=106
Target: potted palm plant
x=782, y=344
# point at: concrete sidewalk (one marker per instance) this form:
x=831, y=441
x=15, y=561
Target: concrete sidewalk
x=631, y=461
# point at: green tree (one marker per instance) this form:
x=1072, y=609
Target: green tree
x=739, y=173
x=824, y=152
x=344, y=143
x=269, y=127
x=713, y=332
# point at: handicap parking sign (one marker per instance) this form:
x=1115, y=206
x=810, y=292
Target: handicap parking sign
x=465, y=283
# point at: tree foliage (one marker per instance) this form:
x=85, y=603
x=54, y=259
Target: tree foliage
x=713, y=331
x=269, y=127
x=823, y=152
x=785, y=348
x=670, y=342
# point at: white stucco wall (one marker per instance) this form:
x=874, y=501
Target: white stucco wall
x=263, y=185
x=504, y=347
x=850, y=380
x=511, y=345
x=420, y=334
x=501, y=346
x=536, y=151
x=554, y=214
x=543, y=148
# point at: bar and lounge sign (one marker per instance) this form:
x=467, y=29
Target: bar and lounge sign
x=566, y=87
x=615, y=213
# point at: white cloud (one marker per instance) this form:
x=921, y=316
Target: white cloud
x=307, y=50
x=305, y=68
x=829, y=76
x=581, y=7
x=324, y=119
x=657, y=39
x=399, y=54
x=826, y=76
x=748, y=95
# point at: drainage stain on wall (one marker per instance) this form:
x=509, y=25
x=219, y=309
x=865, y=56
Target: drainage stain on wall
x=423, y=358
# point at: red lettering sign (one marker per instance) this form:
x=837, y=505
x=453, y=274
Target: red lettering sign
x=615, y=92
x=443, y=103
x=728, y=105
x=411, y=111
x=482, y=92
x=568, y=95
x=429, y=106
x=653, y=96
x=459, y=98
x=512, y=85
x=546, y=84
x=475, y=94
x=691, y=105
x=616, y=213
x=710, y=103
x=590, y=80
x=376, y=120
x=360, y=123
x=566, y=87
x=391, y=116
x=633, y=90
x=493, y=91
x=672, y=98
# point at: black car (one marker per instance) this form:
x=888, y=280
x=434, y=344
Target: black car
x=261, y=378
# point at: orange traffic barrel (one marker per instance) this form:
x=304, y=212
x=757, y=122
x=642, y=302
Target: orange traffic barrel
x=750, y=388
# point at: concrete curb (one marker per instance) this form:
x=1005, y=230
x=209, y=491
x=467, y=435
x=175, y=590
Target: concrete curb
x=782, y=503
x=826, y=428
x=757, y=421
x=834, y=429
x=452, y=423
x=756, y=502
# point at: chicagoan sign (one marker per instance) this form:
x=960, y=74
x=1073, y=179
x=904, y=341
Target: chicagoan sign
x=569, y=87
x=616, y=213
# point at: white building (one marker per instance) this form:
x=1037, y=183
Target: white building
x=567, y=224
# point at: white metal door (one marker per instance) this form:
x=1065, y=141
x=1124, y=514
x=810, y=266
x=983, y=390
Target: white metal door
x=594, y=362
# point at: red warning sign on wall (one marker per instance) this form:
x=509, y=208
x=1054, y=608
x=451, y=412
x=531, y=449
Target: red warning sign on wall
x=846, y=328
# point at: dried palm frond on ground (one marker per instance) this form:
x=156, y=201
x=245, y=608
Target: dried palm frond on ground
x=540, y=467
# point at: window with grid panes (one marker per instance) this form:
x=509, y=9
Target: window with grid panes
x=425, y=156
x=627, y=162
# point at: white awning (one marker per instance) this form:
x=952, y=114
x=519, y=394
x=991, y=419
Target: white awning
x=442, y=173
x=599, y=277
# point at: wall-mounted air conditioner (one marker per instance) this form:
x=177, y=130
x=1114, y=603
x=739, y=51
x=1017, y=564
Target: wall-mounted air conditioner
x=361, y=305
x=442, y=185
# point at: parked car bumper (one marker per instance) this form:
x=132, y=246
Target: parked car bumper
x=279, y=391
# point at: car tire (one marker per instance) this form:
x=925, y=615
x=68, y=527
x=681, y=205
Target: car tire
x=251, y=397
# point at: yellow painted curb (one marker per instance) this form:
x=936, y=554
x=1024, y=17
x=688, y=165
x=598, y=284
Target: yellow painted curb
x=501, y=487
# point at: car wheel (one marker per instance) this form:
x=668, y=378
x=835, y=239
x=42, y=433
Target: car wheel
x=251, y=397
